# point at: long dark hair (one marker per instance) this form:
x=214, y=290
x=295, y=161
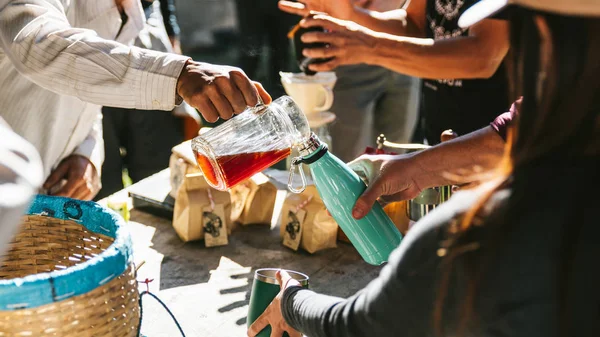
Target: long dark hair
x=558, y=120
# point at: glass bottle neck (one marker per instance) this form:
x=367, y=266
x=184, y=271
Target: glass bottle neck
x=312, y=149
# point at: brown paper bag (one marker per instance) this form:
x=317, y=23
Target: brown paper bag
x=181, y=163
x=193, y=198
x=322, y=234
x=254, y=201
x=305, y=222
x=239, y=198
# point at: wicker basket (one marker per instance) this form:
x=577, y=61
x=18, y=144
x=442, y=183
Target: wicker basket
x=69, y=272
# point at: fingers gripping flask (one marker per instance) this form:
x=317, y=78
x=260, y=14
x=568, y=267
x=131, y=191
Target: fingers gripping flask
x=375, y=236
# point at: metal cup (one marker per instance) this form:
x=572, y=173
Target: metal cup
x=264, y=289
x=427, y=201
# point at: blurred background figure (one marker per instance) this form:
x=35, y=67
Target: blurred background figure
x=262, y=30
x=371, y=100
x=21, y=175
x=140, y=141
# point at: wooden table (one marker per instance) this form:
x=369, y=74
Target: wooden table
x=208, y=288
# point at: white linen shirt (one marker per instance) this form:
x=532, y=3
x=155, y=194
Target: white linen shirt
x=58, y=56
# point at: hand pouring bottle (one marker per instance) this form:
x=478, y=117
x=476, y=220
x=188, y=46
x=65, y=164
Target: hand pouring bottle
x=375, y=236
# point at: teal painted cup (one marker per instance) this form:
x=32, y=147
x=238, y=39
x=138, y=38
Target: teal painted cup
x=264, y=289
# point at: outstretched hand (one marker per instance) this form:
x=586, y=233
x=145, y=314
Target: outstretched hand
x=345, y=42
x=389, y=178
x=272, y=315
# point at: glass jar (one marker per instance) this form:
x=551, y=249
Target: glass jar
x=250, y=142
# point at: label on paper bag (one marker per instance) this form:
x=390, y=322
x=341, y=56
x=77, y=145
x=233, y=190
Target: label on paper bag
x=292, y=223
x=215, y=228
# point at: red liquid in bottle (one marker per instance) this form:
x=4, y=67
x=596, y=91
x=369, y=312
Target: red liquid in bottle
x=207, y=169
x=239, y=167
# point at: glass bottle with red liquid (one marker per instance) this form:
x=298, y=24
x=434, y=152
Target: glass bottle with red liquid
x=250, y=142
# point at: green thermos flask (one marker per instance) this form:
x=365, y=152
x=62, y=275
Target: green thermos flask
x=375, y=236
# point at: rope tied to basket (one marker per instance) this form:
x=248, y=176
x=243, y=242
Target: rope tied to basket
x=147, y=292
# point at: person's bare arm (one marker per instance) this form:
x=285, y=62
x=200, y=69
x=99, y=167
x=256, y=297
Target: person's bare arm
x=402, y=177
x=453, y=161
x=406, y=21
x=475, y=56
x=380, y=5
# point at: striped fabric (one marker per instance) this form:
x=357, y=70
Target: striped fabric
x=51, y=71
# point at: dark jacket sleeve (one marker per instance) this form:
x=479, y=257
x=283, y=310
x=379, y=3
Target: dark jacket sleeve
x=167, y=9
x=398, y=303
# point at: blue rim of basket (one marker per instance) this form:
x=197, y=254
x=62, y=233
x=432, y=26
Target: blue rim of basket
x=40, y=289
